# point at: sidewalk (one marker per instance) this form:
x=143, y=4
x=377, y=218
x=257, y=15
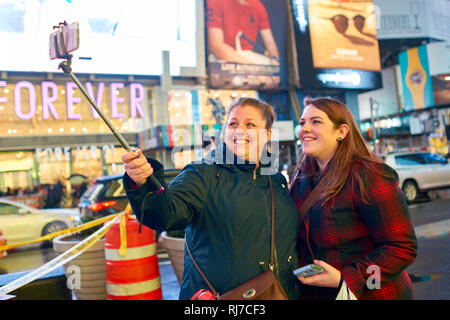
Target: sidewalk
x=433, y=230
x=169, y=282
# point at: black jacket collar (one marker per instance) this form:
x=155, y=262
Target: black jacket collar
x=225, y=157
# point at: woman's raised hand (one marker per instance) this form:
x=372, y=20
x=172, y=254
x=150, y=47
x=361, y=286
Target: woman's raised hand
x=137, y=166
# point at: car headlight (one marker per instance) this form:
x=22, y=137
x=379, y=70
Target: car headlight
x=75, y=219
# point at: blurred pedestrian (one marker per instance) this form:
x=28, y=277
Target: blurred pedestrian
x=224, y=204
x=359, y=222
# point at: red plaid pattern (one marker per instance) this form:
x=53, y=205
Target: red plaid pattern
x=353, y=236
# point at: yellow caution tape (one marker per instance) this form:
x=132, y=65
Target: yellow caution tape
x=63, y=258
x=123, y=235
x=123, y=229
x=50, y=236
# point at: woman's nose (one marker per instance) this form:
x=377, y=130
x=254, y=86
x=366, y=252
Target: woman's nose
x=305, y=128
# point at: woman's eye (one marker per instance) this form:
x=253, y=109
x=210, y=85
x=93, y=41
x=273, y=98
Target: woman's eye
x=251, y=125
x=316, y=121
x=302, y=123
x=232, y=124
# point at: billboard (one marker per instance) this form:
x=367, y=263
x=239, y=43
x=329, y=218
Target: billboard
x=416, y=79
x=439, y=63
x=413, y=19
x=116, y=36
x=337, y=44
x=439, y=57
x=246, y=44
x=343, y=35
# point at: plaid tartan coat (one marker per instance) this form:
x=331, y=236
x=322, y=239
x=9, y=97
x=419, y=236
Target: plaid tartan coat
x=353, y=236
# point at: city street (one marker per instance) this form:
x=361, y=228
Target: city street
x=430, y=272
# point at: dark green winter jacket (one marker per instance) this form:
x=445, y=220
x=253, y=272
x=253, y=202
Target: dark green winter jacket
x=225, y=209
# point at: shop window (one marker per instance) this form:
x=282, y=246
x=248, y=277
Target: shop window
x=53, y=166
x=114, y=168
x=87, y=161
x=180, y=107
x=113, y=160
x=16, y=170
x=213, y=104
x=182, y=158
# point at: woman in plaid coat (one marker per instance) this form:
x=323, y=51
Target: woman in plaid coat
x=358, y=229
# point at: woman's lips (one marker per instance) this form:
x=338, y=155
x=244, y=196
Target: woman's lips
x=307, y=139
x=240, y=141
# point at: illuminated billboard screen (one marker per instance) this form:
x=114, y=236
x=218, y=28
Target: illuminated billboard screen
x=246, y=44
x=116, y=37
x=343, y=34
x=337, y=44
x=416, y=79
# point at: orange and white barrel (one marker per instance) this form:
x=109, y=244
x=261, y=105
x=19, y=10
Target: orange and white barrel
x=132, y=271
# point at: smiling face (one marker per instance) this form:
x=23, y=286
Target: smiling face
x=246, y=132
x=318, y=135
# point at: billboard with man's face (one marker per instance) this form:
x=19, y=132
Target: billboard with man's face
x=246, y=44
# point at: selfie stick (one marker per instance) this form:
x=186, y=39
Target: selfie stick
x=66, y=67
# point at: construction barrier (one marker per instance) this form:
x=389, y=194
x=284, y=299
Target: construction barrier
x=132, y=271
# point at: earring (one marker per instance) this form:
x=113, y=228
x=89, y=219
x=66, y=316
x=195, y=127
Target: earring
x=340, y=139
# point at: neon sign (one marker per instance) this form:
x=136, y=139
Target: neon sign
x=49, y=94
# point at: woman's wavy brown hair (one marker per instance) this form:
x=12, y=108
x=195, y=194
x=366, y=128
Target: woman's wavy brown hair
x=350, y=150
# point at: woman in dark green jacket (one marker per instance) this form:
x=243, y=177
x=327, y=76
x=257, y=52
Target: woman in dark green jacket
x=224, y=205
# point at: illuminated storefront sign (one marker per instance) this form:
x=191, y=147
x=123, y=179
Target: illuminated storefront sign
x=352, y=78
x=300, y=14
x=346, y=78
x=49, y=96
x=64, y=153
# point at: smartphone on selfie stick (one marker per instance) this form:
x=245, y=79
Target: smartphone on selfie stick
x=308, y=271
x=64, y=40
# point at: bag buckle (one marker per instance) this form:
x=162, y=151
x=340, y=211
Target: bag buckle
x=249, y=293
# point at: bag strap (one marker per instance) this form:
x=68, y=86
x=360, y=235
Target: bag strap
x=312, y=197
x=272, y=233
x=272, y=244
x=200, y=271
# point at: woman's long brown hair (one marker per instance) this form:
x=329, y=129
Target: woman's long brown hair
x=350, y=150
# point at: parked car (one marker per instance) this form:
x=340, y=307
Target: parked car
x=106, y=195
x=420, y=172
x=2, y=243
x=21, y=223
